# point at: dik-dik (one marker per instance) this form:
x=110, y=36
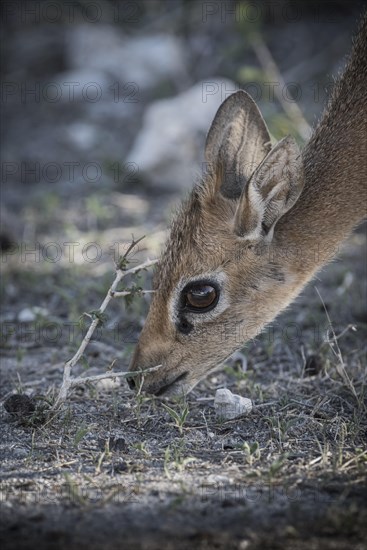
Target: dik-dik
x=254, y=231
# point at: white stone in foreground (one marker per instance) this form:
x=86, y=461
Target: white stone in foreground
x=229, y=405
x=108, y=384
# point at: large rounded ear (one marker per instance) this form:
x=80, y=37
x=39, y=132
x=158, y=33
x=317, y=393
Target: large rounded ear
x=237, y=142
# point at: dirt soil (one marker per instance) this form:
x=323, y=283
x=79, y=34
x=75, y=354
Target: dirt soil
x=112, y=470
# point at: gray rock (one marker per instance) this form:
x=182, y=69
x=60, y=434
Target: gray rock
x=169, y=148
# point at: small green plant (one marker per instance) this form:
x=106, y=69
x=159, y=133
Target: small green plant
x=258, y=393
x=81, y=432
x=276, y=467
x=279, y=427
x=141, y=446
x=174, y=459
x=179, y=418
x=100, y=462
x=20, y=354
x=73, y=491
x=252, y=452
x=236, y=372
x=167, y=459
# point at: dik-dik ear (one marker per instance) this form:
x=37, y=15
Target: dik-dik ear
x=237, y=142
x=272, y=190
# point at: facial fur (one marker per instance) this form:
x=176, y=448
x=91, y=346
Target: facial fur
x=202, y=246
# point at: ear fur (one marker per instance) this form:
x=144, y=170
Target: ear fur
x=237, y=142
x=273, y=189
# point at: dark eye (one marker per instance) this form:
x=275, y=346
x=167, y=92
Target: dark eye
x=200, y=297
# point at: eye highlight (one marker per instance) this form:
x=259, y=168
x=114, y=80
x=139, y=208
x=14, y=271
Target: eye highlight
x=200, y=297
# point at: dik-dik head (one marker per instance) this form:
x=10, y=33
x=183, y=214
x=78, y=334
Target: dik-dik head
x=216, y=284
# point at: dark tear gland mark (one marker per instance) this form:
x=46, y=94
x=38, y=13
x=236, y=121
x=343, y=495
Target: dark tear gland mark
x=184, y=326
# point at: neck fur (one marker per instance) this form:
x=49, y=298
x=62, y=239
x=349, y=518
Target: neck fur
x=334, y=198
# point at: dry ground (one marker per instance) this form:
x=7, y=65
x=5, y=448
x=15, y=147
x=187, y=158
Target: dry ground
x=112, y=470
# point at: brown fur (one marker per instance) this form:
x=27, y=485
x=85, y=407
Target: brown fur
x=211, y=232
x=335, y=161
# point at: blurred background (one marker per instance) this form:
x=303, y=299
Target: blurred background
x=105, y=108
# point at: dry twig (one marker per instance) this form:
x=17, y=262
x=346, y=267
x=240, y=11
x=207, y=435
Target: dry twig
x=69, y=381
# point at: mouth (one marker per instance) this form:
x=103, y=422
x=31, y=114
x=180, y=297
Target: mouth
x=164, y=389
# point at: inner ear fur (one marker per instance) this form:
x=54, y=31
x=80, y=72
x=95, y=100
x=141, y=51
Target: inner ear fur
x=273, y=189
x=237, y=142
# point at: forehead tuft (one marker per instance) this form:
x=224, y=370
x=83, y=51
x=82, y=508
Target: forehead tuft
x=183, y=234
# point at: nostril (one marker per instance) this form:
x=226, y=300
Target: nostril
x=131, y=383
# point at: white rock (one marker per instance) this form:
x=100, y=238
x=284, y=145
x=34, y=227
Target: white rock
x=169, y=148
x=229, y=405
x=29, y=314
x=108, y=384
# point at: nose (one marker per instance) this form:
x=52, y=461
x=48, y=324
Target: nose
x=137, y=381
x=131, y=383
x=137, y=364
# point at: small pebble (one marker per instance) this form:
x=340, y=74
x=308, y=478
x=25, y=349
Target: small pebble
x=108, y=384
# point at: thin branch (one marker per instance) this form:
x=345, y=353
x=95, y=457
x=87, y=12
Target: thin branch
x=144, y=265
x=68, y=381
x=123, y=293
x=121, y=374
